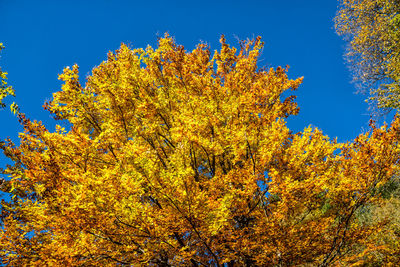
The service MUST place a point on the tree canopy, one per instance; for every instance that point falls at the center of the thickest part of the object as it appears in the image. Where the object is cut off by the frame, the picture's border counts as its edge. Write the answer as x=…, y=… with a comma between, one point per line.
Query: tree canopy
x=171, y=157
x=372, y=28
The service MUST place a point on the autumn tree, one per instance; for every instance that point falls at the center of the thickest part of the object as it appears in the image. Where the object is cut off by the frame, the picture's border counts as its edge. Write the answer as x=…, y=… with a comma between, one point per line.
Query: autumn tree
x=171, y=157
x=372, y=28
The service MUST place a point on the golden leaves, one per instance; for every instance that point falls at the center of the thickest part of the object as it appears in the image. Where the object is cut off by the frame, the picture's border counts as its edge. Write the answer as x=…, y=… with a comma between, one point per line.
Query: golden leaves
x=177, y=157
x=5, y=89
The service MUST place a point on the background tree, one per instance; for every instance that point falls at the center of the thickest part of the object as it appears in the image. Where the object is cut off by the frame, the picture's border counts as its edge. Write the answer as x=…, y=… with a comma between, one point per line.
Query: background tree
x=184, y=158
x=372, y=28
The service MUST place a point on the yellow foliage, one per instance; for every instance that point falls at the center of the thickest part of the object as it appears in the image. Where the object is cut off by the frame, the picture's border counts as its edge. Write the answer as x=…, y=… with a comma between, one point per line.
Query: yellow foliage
x=372, y=28
x=184, y=158
x=5, y=89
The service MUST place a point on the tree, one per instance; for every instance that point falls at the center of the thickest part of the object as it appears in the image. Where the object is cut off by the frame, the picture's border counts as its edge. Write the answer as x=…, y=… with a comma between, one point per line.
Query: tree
x=183, y=158
x=373, y=29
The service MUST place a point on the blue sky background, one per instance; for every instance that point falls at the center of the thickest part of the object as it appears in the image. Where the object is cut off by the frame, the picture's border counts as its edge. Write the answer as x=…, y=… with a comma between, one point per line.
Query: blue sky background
x=43, y=37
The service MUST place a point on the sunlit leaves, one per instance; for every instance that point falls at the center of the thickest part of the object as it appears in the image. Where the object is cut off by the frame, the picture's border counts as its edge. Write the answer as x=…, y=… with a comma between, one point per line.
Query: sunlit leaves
x=184, y=158
x=5, y=89
x=372, y=29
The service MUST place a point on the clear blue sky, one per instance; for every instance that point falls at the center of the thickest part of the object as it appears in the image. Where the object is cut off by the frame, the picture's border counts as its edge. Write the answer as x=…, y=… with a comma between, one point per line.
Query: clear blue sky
x=43, y=37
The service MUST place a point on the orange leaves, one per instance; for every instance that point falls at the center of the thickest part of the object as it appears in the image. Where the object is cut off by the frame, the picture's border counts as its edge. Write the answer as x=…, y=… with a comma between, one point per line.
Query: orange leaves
x=178, y=158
